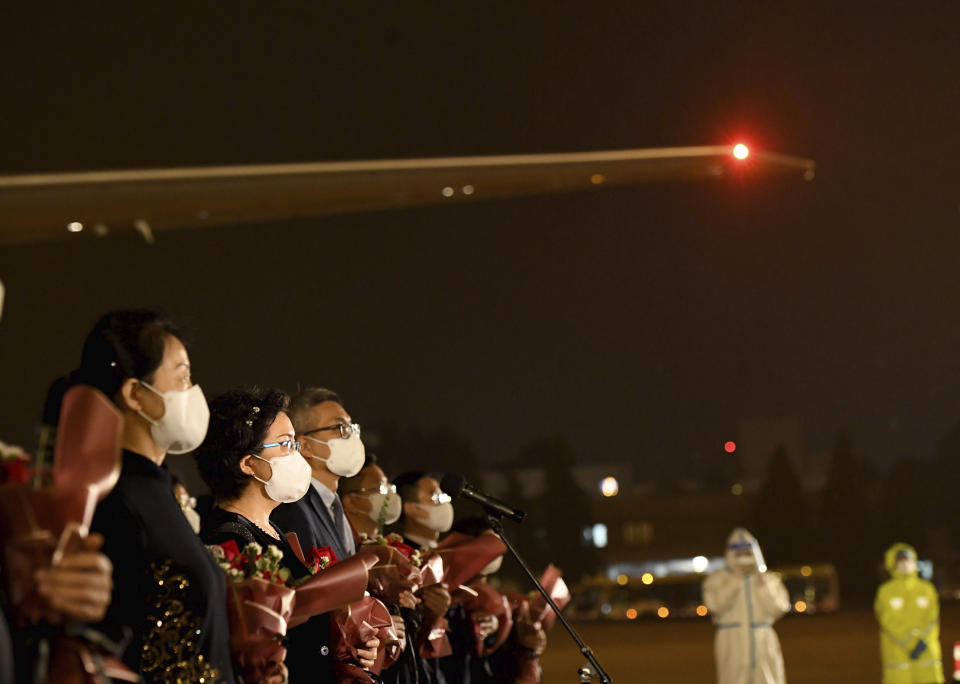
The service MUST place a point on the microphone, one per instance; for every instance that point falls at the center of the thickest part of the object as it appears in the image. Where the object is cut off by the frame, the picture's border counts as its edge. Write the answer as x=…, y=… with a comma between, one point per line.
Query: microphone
x=456, y=485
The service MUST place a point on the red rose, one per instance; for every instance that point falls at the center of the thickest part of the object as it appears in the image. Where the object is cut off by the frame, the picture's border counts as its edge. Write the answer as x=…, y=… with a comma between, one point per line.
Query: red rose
x=15, y=470
x=405, y=549
x=320, y=558
x=230, y=550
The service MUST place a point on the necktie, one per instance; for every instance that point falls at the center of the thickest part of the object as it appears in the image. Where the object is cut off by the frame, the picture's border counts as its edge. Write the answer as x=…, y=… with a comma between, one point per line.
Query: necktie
x=340, y=522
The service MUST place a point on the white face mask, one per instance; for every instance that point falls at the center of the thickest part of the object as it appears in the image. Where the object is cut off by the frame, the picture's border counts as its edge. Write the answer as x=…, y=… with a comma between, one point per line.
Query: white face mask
x=346, y=455
x=907, y=566
x=493, y=566
x=184, y=422
x=439, y=516
x=392, y=511
x=289, y=478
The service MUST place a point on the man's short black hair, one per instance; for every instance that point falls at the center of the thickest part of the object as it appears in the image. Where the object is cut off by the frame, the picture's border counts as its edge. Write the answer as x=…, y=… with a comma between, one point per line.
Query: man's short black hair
x=407, y=484
x=407, y=488
x=239, y=421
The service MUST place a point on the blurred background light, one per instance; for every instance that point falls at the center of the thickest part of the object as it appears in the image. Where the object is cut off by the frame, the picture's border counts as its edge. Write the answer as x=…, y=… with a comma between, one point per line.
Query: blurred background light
x=600, y=535
x=609, y=486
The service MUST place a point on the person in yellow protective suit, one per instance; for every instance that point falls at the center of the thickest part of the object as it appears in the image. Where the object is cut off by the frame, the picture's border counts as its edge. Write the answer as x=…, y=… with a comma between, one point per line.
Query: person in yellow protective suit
x=908, y=611
x=745, y=600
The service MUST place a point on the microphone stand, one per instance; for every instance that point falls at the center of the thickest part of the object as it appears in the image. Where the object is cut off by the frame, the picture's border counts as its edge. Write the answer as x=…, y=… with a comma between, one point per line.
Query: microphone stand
x=496, y=524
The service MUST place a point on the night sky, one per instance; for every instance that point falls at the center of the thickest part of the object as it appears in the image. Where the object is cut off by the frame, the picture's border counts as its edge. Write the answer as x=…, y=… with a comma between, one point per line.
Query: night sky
x=639, y=324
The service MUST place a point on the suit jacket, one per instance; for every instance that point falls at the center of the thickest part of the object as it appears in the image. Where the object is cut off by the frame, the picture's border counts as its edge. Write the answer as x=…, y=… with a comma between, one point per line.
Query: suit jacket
x=312, y=522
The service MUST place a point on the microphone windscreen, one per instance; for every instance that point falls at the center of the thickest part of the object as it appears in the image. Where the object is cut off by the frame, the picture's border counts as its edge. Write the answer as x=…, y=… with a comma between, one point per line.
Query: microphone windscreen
x=452, y=484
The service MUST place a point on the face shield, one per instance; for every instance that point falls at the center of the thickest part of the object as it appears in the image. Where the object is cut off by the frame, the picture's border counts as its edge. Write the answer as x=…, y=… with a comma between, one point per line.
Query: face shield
x=906, y=562
x=743, y=552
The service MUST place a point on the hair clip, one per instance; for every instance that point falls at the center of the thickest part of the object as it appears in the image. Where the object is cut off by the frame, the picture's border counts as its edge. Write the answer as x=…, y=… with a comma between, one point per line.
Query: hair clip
x=113, y=364
x=254, y=411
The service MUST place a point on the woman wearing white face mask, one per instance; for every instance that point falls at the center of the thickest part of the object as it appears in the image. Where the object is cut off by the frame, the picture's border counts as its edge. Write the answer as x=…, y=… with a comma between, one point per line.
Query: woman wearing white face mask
x=252, y=463
x=160, y=566
x=370, y=503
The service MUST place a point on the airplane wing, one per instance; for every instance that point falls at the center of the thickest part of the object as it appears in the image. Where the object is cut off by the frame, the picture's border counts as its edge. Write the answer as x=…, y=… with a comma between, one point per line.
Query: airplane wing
x=41, y=207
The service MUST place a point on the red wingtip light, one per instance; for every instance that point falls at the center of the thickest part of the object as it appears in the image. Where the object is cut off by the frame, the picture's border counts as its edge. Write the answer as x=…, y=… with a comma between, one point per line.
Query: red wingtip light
x=741, y=151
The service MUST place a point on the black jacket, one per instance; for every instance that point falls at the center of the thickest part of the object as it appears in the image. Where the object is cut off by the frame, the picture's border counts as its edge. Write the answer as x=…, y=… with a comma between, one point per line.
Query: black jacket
x=312, y=522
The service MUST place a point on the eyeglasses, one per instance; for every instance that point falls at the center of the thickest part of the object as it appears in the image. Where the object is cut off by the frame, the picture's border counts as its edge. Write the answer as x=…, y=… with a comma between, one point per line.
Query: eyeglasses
x=288, y=445
x=382, y=489
x=440, y=498
x=347, y=430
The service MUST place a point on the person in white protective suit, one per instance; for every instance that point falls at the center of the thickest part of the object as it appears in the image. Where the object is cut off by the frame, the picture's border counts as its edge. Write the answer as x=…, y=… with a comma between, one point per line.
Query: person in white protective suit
x=745, y=600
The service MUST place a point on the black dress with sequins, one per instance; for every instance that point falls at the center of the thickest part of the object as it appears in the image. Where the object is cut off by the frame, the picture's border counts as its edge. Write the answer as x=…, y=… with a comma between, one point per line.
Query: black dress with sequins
x=169, y=596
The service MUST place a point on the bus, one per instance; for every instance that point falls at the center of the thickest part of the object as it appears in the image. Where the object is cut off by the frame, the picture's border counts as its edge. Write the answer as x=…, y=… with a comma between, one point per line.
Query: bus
x=812, y=589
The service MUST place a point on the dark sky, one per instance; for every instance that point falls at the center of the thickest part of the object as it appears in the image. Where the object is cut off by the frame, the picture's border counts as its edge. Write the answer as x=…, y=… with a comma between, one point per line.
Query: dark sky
x=639, y=323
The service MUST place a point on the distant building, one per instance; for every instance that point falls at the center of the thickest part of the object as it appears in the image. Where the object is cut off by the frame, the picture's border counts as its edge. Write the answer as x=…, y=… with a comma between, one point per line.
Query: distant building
x=638, y=524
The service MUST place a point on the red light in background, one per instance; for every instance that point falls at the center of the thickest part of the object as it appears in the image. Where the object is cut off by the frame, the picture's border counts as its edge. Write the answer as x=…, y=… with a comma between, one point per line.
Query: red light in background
x=741, y=151
x=729, y=447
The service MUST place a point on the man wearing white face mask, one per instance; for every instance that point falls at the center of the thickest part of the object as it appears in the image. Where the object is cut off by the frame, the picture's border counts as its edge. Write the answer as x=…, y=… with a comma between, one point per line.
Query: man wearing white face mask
x=427, y=511
x=369, y=500
x=371, y=503
x=332, y=448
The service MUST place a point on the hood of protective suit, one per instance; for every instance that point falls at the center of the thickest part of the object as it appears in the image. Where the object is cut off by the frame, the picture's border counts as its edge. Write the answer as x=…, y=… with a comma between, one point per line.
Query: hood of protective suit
x=740, y=539
x=890, y=559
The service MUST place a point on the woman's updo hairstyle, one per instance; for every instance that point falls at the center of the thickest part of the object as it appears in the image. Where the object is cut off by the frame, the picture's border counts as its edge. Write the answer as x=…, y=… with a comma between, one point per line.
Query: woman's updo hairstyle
x=124, y=344
x=239, y=422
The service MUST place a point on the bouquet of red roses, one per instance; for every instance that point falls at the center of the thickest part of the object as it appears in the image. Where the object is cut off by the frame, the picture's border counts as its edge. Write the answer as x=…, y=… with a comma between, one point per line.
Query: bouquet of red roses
x=45, y=513
x=490, y=601
x=531, y=640
x=339, y=586
x=333, y=585
x=397, y=569
x=264, y=601
x=14, y=464
x=464, y=556
x=355, y=625
x=556, y=588
x=259, y=605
